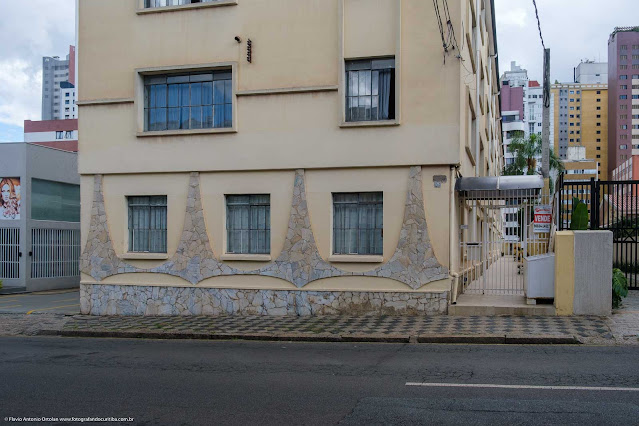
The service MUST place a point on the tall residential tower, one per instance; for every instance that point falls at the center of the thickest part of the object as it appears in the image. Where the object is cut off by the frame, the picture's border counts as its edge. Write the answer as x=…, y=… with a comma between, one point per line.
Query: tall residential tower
x=623, y=102
x=58, y=86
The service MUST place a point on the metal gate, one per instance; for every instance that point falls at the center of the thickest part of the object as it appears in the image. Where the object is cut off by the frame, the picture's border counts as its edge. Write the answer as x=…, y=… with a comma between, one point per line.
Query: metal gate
x=497, y=233
x=10, y=253
x=613, y=206
x=55, y=253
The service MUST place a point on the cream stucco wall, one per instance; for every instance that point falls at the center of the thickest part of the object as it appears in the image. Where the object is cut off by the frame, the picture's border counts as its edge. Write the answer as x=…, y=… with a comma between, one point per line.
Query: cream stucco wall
x=321, y=184
x=214, y=187
x=296, y=44
x=289, y=107
x=118, y=187
x=370, y=28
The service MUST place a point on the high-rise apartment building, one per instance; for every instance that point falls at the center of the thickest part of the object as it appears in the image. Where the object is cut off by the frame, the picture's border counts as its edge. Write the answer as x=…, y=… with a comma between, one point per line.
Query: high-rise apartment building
x=623, y=102
x=521, y=101
x=299, y=158
x=58, y=79
x=590, y=72
x=580, y=119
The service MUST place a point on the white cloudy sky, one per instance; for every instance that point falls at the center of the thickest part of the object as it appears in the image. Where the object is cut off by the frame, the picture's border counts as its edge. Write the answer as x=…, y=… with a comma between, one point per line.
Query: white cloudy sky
x=573, y=30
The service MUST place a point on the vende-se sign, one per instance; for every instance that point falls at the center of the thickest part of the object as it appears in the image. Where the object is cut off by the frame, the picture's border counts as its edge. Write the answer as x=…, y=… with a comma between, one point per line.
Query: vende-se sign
x=543, y=219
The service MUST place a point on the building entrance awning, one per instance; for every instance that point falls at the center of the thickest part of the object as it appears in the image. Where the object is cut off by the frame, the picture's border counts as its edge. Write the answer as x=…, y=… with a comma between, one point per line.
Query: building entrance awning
x=499, y=187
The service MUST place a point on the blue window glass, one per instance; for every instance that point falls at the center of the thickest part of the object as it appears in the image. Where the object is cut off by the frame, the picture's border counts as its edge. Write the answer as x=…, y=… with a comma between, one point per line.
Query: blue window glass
x=188, y=101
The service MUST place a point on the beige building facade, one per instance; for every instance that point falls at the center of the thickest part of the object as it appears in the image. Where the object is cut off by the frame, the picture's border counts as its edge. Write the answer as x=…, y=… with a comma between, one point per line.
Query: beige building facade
x=290, y=157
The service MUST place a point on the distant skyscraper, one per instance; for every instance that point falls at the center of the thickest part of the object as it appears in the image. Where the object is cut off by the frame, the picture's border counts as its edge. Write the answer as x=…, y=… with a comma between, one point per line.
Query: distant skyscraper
x=56, y=71
x=623, y=103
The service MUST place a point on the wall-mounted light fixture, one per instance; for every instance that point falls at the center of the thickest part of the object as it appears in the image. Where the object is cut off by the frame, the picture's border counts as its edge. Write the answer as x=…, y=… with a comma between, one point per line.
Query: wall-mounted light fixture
x=238, y=39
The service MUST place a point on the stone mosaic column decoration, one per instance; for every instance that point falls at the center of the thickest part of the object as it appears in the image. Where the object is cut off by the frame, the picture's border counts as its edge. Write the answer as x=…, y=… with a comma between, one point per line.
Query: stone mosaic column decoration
x=194, y=259
x=99, y=258
x=413, y=263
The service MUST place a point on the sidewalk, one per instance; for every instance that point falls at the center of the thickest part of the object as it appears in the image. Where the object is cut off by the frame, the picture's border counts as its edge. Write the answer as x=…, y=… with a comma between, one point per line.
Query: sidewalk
x=441, y=329
x=622, y=328
x=624, y=322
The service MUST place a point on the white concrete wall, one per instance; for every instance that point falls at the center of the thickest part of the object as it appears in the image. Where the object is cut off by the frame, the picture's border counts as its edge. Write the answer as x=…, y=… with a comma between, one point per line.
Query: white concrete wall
x=593, y=273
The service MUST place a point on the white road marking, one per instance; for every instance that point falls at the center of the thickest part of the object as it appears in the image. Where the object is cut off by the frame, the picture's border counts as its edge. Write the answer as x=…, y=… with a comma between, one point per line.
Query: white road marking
x=489, y=385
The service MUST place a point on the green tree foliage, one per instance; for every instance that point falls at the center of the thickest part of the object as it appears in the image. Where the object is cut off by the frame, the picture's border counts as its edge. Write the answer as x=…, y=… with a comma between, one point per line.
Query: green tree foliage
x=526, y=151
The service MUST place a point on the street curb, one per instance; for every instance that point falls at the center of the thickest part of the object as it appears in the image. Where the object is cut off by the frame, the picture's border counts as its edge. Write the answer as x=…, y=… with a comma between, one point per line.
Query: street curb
x=345, y=338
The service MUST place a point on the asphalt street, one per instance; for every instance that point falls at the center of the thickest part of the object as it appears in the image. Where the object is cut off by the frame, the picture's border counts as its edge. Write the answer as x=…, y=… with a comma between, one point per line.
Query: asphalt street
x=231, y=382
x=51, y=302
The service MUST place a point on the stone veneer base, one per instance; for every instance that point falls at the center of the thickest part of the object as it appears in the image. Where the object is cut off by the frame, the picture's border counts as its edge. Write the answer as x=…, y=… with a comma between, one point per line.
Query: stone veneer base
x=106, y=299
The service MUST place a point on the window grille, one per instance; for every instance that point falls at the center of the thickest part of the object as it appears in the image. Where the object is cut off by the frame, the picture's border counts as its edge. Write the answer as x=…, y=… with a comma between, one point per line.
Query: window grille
x=10, y=253
x=248, y=224
x=358, y=223
x=56, y=253
x=147, y=224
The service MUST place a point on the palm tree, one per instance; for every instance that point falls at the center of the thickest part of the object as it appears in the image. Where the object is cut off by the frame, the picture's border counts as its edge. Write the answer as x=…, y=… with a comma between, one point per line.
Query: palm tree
x=526, y=153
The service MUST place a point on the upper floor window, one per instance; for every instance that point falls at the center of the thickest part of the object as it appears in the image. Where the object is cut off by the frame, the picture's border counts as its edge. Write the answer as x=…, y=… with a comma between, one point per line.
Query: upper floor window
x=370, y=90
x=147, y=224
x=68, y=134
x=58, y=135
x=358, y=223
x=201, y=100
x=164, y=3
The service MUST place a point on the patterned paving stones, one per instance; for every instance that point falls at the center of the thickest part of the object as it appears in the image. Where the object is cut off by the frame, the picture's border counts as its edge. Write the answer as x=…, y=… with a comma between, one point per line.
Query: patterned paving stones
x=582, y=329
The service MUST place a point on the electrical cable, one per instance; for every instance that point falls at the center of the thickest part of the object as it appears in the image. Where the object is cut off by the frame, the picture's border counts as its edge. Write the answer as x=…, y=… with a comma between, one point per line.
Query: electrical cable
x=449, y=40
x=539, y=24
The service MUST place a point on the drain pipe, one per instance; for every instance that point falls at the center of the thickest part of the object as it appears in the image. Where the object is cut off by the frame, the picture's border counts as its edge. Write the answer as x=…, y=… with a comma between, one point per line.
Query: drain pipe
x=451, y=236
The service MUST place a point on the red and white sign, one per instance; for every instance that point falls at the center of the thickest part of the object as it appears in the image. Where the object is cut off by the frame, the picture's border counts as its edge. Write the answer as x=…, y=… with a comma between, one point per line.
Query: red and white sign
x=543, y=219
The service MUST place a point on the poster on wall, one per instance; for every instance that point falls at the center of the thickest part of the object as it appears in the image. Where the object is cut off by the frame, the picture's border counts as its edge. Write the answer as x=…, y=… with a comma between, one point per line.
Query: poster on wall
x=10, y=198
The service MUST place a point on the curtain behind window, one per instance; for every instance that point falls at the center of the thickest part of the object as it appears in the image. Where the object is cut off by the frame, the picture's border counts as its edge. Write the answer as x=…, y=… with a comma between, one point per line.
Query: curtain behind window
x=147, y=224
x=384, y=94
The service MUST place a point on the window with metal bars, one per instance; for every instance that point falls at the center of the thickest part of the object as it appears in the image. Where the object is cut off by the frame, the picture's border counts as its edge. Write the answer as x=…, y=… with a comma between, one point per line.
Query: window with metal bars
x=201, y=100
x=147, y=224
x=248, y=224
x=358, y=223
x=370, y=90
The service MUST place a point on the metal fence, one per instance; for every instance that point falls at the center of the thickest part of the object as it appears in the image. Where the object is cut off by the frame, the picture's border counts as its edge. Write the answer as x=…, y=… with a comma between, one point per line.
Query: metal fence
x=10, y=253
x=55, y=253
x=613, y=206
x=497, y=234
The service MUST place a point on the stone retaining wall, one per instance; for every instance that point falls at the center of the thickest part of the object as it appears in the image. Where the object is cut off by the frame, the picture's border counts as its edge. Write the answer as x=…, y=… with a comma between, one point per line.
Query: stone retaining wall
x=103, y=299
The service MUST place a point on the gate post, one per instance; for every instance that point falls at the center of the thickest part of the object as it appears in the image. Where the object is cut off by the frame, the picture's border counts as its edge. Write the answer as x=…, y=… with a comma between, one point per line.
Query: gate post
x=594, y=204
